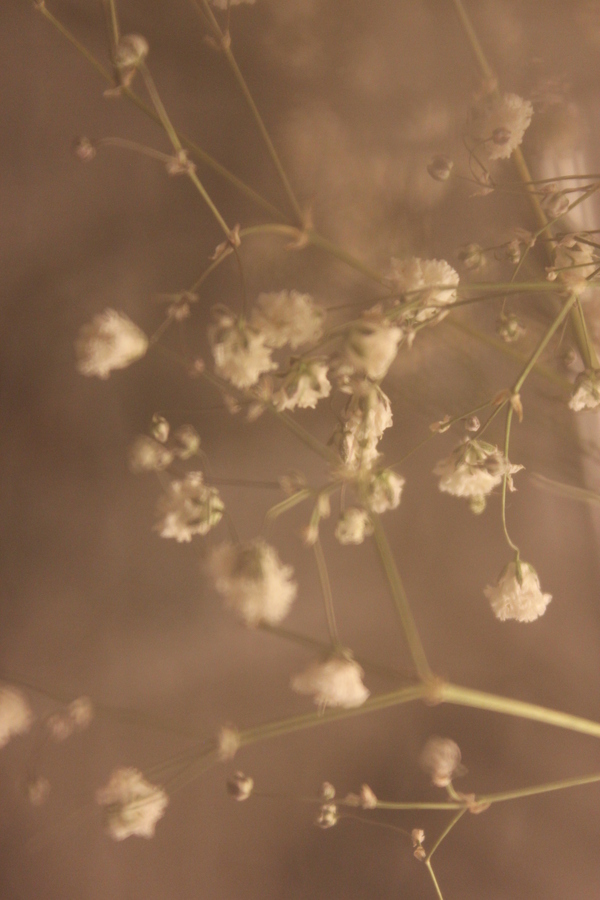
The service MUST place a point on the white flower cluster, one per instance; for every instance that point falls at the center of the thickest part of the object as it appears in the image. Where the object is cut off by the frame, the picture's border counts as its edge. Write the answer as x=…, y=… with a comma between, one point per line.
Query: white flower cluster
x=15, y=715
x=131, y=804
x=253, y=581
x=574, y=263
x=586, y=392
x=440, y=759
x=110, y=341
x=336, y=682
x=288, y=317
x=518, y=594
x=240, y=351
x=371, y=346
x=383, y=490
x=148, y=455
x=497, y=125
x=189, y=507
x=435, y=281
x=473, y=470
x=367, y=415
x=77, y=716
x=353, y=526
x=305, y=384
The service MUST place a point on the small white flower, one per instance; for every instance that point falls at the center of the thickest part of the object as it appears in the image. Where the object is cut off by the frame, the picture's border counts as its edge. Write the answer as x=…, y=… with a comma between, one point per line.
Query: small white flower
x=336, y=682
x=81, y=711
x=586, y=392
x=353, y=526
x=147, y=455
x=371, y=346
x=189, y=507
x=304, y=386
x=253, y=581
x=518, y=594
x=288, y=317
x=131, y=50
x=367, y=415
x=368, y=800
x=240, y=353
x=473, y=470
x=328, y=816
x=240, y=787
x=497, y=125
x=15, y=715
x=186, y=442
x=434, y=279
x=132, y=805
x=440, y=758
x=228, y=742
x=574, y=263
x=110, y=341
x=383, y=491
x=60, y=725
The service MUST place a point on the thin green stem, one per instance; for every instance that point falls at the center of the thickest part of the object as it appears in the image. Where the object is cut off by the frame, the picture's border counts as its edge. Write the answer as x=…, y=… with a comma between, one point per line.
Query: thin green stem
x=113, y=18
x=401, y=601
x=510, y=543
x=434, y=879
x=538, y=789
x=456, y=818
x=279, y=508
x=327, y=595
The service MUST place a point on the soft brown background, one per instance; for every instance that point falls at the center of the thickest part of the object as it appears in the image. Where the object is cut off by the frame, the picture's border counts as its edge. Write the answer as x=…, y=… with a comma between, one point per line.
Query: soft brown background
x=357, y=95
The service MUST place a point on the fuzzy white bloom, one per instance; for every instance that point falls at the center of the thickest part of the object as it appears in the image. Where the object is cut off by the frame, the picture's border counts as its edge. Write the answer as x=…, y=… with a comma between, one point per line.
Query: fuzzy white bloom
x=586, y=392
x=189, y=507
x=110, y=341
x=440, y=758
x=304, y=386
x=240, y=787
x=253, y=581
x=473, y=470
x=336, y=682
x=383, y=491
x=353, y=526
x=434, y=279
x=288, y=317
x=518, y=594
x=81, y=711
x=15, y=715
x=328, y=815
x=497, y=125
x=131, y=50
x=148, y=455
x=371, y=346
x=366, y=417
x=228, y=742
x=131, y=804
x=574, y=262
x=240, y=353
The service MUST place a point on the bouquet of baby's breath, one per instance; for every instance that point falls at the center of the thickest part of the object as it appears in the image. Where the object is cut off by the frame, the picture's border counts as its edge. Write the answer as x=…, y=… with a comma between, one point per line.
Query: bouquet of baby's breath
x=277, y=355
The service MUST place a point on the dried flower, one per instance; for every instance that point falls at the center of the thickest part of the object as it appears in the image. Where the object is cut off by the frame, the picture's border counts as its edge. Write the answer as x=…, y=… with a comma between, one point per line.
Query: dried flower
x=417, y=837
x=586, y=391
x=131, y=804
x=383, y=490
x=518, y=595
x=440, y=758
x=288, y=317
x=431, y=282
x=131, y=50
x=371, y=346
x=328, y=816
x=15, y=715
x=336, y=682
x=240, y=786
x=189, y=507
x=228, y=742
x=327, y=791
x=440, y=168
x=472, y=256
x=555, y=203
x=305, y=384
x=497, y=125
x=473, y=470
x=353, y=526
x=367, y=415
x=253, y=581
x=509, y=328
x=147, y=455
x=574, y=263
x=368, y=800
x=84, y=150
x=110, y=341
x=240, y=353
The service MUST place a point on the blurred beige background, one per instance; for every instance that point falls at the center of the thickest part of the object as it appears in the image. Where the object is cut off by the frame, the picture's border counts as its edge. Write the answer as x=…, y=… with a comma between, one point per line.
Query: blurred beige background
x=358, y=96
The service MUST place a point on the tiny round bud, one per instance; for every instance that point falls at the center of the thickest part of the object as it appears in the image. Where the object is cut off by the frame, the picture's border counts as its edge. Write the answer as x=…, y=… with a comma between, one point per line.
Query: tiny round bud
x=186, y=442
x=132, y=50
x=419, y=853
x=81, y=712
x=440, y=168
x=83, y=149
x=240, y=786
x=473, y=424
x=440, y=758
x=328, y=816
x=418, y=836
x=368, y=800
x=228, y=743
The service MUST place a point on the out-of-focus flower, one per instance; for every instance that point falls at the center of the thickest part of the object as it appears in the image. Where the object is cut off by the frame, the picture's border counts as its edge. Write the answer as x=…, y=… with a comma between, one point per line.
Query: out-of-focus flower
x=336, y=682
x=428, y=283
x=240, y=787
x=131, y=804
x=189, y=507
x=15, y=715
x=304, y=385
x=288, y=317
x=586, y=391
x=518, y=594
x=497, y=125
x=383, y=490
x=328, y=815
x=440, y=168
x=371, y=346
x=574, y=263
x=367, y=415
x=240, y=352
x=440, y=759
x=473, y=470
x=509, y=328
x=228, y=742
x=353, y=526
x=110, y=341
x=147, y=455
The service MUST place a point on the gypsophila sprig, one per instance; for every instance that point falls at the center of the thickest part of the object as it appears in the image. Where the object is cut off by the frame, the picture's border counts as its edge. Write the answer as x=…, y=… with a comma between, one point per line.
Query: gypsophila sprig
x=110, y=341
x=148, y=455
x=497, y=124
x=335, y=682
x=132, y=806
x=586, y=392
x=440, y=759
x=240, y=351
x=473, y=470
x=288, y=317
x=371, y=346
x=435, y=281
x=574, y=263
x=253, y=581
x=305, y=384
x=353, y=526
x=188, y=507
x=15, y=714
x=518, y=594
x=383, y=490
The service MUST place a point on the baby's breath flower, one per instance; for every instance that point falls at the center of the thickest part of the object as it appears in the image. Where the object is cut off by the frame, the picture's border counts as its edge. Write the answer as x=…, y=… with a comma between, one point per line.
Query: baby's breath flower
x=497, y=125
x=186, y=442
x=15, y=715
x=147, y=455
x=81, y=712
x=288, y=317
x=574, y=263
x=383, y=491
x=371, y=346
x=110, y=341
x=336, y=682
x=131, y=804
x=304, y=385
x=240, y=787
x=367, y=415
x=518, y=595
x=509, y=328
x=240, y=353
x=353, y=526
x=435, y=281
x=60, y=726
x=253, y=581
x=160, y=428
x=328, y=816
x=189, y=507
x=586, y=391
x=327, y=791
x=555, y=204
x=440, y=168
x=472, y=256
x=473, y=470
x=440, y=758
x=228, y=742
x=131, y=50
x=368, y=800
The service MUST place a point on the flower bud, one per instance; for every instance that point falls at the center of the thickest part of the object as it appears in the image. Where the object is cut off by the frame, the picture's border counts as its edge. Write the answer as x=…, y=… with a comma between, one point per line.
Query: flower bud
x=440, y=168
x=240, y=786
x=328, y=816
x=131, y=51
x=84, y=150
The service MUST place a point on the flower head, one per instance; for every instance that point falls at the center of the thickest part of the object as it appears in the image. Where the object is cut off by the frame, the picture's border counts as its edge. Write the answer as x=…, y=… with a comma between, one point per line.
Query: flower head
x=240, y=352
x=110, y=341
x=304, y=385
x=253, y=581
x=367, y=415
x=518, y=594
x=497, y=125
x=473, y=470
x=288, y=317
x=15, y=715
x=435, y=281
x=586, y=392
x=336, y=682
x=371, y=346
x=574, y=263
x=440, y=758
x=353, y=526
x=148, y=455
x=383, y=490
x=189, y=507
x=131, y=804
